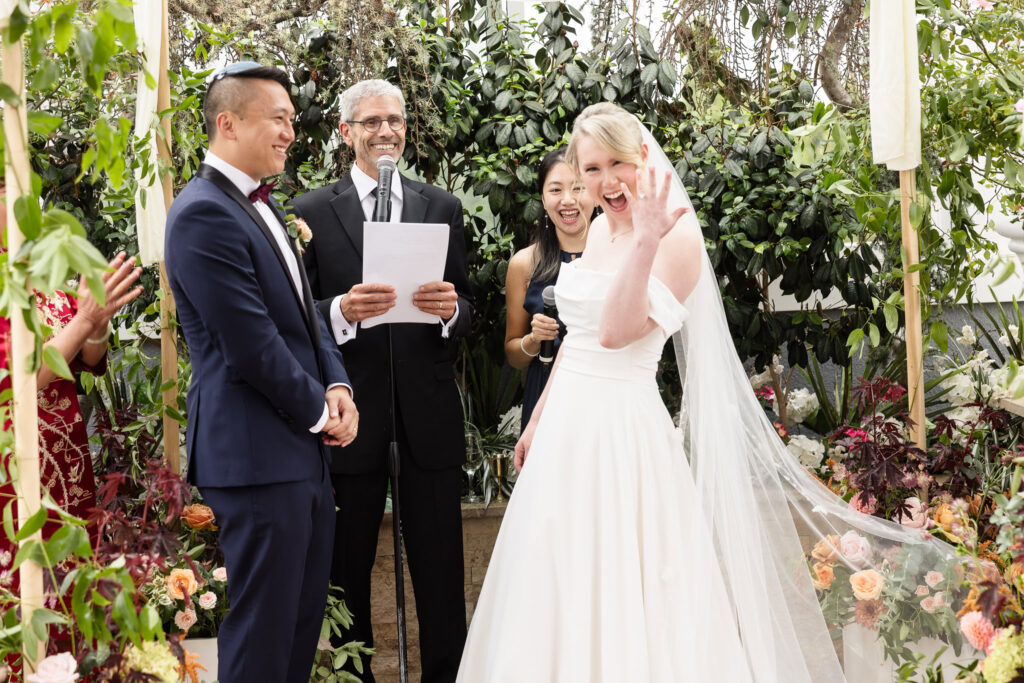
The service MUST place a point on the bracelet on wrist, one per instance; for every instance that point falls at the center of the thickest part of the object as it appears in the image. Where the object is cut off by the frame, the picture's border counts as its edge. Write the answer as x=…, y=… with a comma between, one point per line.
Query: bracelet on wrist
x=104, y=338
x=522, y=345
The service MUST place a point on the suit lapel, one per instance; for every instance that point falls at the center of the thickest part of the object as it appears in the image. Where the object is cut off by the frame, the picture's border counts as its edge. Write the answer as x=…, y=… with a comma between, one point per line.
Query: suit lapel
x=349, y=210
x=414, y=204
x=227, y=187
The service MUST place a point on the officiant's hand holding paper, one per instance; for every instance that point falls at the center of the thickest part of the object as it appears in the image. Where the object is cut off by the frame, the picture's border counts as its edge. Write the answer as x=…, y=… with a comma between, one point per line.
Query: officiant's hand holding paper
x=437, y=298
x=367, y=300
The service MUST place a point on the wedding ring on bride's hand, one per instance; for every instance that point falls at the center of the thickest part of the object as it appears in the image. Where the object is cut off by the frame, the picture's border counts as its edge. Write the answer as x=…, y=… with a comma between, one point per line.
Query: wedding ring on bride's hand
x=439, y=304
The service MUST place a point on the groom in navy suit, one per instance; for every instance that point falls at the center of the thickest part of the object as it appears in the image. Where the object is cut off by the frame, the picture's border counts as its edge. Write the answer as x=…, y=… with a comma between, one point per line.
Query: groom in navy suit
x=269, y=389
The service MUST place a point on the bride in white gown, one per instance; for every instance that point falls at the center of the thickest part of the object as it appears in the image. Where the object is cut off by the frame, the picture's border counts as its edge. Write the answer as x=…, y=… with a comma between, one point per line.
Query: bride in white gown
x=615, y=562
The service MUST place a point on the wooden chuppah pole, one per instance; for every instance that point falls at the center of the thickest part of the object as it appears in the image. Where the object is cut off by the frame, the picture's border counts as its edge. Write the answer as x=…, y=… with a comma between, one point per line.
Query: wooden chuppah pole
x=23, y=380
x=168, y=338
x=912, y=308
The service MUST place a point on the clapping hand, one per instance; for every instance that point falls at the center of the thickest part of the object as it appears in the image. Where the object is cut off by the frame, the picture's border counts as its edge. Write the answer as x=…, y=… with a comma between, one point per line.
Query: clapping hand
x=343, y=417
x=118, y=285
x=651, y=216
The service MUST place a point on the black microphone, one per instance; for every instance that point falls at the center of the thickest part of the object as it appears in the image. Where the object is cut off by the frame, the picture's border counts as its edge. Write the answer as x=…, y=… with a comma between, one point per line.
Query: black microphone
x=547, y=347
x=386, y=167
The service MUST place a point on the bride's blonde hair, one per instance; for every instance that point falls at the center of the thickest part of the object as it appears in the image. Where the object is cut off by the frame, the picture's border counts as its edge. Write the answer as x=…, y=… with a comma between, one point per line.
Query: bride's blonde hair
x=614, y=128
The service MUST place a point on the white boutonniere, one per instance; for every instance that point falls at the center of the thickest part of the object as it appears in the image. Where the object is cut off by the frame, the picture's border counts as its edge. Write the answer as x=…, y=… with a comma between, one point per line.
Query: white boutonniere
x=299, y=231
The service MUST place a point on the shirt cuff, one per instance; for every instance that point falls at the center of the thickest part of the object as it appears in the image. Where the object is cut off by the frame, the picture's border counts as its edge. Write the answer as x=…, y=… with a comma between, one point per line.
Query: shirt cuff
x=319, y=426
x=343, y=330
x=447, y=326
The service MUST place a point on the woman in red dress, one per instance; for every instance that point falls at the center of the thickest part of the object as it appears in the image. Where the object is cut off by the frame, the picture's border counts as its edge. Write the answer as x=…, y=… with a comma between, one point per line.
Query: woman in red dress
x=80, y=328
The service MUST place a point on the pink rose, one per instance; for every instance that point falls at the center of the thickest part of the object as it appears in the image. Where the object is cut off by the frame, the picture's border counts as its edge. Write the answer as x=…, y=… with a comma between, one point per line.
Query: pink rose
x=305, y=234
x=208, y=600
x=982, y=4
x=220, y=574
x=862, y=503
x=978, y=630
x=185, y=619
x=933, y=578
x=61, y=668
x=928, y=604
x=1020, y=105
x=918, y=515
x=856, y=549
x=922, y=590
x=939, y=600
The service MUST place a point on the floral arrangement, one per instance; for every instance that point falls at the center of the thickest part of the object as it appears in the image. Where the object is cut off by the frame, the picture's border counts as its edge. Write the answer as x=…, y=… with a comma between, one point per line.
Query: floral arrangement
x=892, y=590
x=191, y=600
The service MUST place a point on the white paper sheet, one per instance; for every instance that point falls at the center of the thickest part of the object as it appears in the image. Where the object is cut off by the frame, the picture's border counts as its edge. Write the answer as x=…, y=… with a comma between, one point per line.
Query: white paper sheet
x=405, y=256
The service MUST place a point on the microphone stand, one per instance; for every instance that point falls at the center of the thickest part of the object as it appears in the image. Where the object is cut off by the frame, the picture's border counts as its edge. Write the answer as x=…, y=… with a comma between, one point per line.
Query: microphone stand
x=380, y=213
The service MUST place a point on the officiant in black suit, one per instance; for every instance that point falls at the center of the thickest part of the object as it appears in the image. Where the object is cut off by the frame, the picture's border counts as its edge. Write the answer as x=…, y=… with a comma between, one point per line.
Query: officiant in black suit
x=429, y=414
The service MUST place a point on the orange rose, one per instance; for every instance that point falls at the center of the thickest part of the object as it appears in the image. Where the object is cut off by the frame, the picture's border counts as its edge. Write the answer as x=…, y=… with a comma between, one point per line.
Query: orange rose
x=943, y=517
x=198, y=517
x=823, y=576
x=827, y=549
x=181, y=584
x=867, y=584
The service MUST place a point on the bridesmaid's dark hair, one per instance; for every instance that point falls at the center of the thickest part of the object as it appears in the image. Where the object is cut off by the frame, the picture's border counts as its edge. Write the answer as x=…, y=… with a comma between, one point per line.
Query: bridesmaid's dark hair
x=547, y=257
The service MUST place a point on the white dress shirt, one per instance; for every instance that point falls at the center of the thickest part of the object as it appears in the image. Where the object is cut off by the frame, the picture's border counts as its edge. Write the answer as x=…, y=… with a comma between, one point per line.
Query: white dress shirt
x=366, y=188
x=246, y=185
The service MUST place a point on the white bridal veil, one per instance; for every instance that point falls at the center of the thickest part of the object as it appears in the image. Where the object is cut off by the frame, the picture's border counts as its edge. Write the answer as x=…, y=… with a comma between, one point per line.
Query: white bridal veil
x=774, y=523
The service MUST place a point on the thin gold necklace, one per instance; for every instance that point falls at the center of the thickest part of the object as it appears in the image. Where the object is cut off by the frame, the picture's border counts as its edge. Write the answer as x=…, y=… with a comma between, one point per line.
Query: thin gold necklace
x=620, y=234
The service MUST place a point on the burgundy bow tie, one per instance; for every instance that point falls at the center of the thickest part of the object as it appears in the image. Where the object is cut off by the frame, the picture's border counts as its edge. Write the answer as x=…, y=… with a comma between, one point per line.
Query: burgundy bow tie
x=262, y=193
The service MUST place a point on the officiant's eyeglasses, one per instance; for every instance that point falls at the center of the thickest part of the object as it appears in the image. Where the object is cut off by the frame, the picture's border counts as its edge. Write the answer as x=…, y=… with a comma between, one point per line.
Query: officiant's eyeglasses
x=372, y=124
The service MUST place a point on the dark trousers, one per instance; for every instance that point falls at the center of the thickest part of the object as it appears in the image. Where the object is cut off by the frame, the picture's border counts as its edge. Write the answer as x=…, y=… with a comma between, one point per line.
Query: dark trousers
x=276, y=541
x=432, y=531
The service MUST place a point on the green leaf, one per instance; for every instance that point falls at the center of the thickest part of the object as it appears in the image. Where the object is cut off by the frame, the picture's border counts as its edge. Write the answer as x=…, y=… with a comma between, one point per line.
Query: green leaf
x=940, y=333
x=126, y=617
x=31, y=525
x=855, y=339
x=874, y=334
x=41, y=123
x=503, y=99
x=55, y=361
x=28, y=216
x=649, y=74
x=63, y=31
x=892, y=318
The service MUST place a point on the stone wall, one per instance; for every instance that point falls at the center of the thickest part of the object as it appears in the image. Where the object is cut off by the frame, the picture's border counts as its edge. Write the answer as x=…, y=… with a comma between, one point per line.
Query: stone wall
x=479, y=529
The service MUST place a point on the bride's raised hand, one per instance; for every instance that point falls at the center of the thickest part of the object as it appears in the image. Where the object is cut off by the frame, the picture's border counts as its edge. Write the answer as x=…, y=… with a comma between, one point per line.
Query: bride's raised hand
x=651, y=214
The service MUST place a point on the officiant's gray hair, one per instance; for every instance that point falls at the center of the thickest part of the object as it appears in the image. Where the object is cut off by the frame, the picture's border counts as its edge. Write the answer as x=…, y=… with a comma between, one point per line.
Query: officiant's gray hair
x=374, y=87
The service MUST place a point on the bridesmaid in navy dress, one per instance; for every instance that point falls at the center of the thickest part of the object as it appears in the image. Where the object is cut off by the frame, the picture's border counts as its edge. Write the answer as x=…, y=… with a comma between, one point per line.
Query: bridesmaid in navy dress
x=560, y=238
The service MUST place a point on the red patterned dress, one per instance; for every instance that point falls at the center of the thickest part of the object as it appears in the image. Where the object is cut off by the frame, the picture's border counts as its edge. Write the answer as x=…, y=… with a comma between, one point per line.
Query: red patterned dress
x=66, y=465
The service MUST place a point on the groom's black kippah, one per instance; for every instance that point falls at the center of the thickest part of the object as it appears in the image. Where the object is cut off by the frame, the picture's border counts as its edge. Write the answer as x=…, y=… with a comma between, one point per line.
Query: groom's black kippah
x=248, y=70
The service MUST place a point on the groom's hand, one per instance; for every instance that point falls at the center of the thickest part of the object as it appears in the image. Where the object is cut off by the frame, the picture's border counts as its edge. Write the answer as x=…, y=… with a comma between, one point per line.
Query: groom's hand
x=343, y=418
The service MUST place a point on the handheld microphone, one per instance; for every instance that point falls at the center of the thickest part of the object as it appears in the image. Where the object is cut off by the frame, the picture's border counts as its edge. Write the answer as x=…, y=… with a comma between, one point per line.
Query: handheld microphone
x=386, y=168
x=547, y=347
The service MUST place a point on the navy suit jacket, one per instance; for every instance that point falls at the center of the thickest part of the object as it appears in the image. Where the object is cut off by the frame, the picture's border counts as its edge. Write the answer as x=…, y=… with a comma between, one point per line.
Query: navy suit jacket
x=261, y=358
